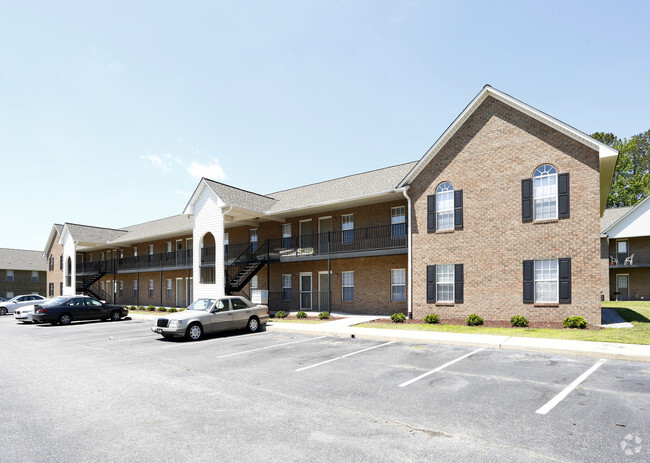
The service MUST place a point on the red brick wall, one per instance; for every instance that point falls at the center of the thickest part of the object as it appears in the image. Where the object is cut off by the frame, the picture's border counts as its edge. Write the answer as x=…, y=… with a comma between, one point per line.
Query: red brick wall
x=487, y=158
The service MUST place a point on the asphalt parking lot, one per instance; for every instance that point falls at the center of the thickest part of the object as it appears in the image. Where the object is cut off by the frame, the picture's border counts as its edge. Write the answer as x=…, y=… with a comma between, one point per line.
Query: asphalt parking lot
x=115, y=391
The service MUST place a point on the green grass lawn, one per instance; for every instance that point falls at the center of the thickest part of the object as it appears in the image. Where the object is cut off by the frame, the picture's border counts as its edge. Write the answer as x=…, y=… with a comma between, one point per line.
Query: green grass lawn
x=635, y=312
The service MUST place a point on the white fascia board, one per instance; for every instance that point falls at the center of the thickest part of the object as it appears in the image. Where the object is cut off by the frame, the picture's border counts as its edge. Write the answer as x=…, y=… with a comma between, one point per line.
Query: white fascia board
x=618, y=228
x=335, y=202
x=189, y=208
x=50, y=240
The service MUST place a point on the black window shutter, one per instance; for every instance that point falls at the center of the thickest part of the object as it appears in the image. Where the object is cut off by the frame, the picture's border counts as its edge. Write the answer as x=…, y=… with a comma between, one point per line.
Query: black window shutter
x=527, y=200
x=529, y=281
x=565, y=280
x=431, y=284
x=563, y=195
x=431, y=213
x=458, y=283
x=458, y=208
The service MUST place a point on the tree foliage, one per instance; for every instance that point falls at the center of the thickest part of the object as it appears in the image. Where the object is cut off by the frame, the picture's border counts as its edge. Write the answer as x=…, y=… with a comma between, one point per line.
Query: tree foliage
x=631, y=182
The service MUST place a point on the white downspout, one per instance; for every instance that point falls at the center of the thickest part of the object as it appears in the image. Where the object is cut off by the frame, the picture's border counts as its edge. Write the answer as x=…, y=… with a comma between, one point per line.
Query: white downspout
x=409, y=292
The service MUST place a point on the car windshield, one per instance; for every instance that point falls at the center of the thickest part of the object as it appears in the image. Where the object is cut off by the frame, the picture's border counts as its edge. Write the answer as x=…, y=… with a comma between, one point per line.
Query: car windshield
x=201, y=304
x=13, y=299
x=55, y=301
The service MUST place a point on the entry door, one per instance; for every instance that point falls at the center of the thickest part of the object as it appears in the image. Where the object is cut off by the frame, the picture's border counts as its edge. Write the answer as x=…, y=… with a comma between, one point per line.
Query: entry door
x=621, y=251
x=305, y=291
x=324, y=226
x=622, y=287
x=180, y=293
x=323, y=291
x=305, y=234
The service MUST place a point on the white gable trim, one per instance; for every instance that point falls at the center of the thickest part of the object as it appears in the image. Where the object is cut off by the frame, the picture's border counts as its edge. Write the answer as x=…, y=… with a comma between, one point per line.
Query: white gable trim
x=189, y=208
x=633, y=224
x=607, y=154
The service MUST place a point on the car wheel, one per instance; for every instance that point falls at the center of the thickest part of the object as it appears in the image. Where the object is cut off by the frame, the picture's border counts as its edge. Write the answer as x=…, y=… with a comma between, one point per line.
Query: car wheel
x=194, y=332
x=65, y=319
x=253, y=324
x=3, y=311
x=115, y=315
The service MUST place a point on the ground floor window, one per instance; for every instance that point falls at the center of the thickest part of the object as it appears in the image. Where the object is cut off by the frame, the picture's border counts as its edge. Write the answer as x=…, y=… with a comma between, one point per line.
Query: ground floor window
x=398, y=285
x=121, y=289
x=150, y=288
x=546, y=284
x=51, y=289
x=135, y=288
x=61, y=289
x=445, y=283
x=169, y=289
x=547, y=281
x=286, y=287
x=348, y=286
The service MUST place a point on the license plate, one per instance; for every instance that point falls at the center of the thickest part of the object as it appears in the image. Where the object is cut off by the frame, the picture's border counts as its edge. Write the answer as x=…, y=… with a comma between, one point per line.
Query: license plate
x=158, y=330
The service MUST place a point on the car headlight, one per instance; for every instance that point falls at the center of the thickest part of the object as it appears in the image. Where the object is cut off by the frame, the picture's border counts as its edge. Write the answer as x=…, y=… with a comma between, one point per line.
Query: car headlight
x=175, y=324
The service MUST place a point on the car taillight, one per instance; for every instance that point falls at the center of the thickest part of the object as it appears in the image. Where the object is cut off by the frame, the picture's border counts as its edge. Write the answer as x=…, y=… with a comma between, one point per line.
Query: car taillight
x=41, y=310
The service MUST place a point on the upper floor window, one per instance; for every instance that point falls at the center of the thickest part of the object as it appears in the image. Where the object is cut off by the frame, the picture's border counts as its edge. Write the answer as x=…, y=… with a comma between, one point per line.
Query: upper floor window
x=61, y=262
x=253, y=239
x=51, y=262
x=34, y=277
x=445, y=206
x=10, y=276
x=347, y=227
x=546, y=195
x=398, y=222
x=286, y=235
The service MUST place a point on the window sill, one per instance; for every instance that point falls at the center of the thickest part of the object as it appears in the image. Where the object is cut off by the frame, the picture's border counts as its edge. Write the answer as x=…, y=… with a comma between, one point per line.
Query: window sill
x=546, y=304
x=444, y=304
x=545, y=221
x=440, y=232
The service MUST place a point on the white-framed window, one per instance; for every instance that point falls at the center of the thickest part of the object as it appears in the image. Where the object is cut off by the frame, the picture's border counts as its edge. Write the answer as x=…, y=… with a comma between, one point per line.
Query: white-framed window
x=169, y=250
x=10, y=276
x=348, y=285
x=253, y=239
x=226, y=245
x=398, y=284
x=286, y=235
x=151, y=253
x=398, y=222
x=90, y=258
x=9, y=295
x=34, y=277
x=51, y=266
x=135, y=252
x=445, y=283
x=445, y=206
x=135, y=288
x=169, y=289
x=286, y=287
x=347, y=228
x=121, y=288
x=150, y=288
x=51, y=289
x=546, y=281
x=254, y=282
x=545, y=192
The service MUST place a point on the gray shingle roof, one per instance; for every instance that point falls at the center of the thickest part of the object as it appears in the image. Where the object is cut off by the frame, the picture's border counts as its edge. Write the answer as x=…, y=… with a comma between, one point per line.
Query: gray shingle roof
x=610, y=216
x=241, y=198
x=89, y=234
x=21, y=259
x=176, y=224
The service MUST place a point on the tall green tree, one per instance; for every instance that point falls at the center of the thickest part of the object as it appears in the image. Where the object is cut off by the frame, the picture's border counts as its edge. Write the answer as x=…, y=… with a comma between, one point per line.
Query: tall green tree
x=631, y=182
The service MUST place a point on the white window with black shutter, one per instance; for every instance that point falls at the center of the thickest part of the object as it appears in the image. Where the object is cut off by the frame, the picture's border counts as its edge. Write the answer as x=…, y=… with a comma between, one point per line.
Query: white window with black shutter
x=547, y=281
x=445, y=283
x=546, y=195
x=445, y=209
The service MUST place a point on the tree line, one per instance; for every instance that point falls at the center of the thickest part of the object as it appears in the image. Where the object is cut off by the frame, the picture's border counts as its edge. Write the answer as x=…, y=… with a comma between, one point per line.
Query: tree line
x=631, y=182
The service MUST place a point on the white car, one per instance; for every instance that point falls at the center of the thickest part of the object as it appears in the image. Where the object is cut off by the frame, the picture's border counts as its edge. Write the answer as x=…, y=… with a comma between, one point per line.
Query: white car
x=24, y=314
x=19, y=301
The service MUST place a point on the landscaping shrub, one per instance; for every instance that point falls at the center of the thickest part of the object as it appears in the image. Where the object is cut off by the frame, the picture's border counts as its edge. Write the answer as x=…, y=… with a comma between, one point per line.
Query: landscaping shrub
x=574, y=322
x=132, y=307
x=398, y=317
x=151, y=308
x=324, y=315
x=141, y=307
x=301, y=314
x=474, y=320
x=519, y=320
x=280, y=314
x=172, y=310
x=162, y=309
x=432, y=318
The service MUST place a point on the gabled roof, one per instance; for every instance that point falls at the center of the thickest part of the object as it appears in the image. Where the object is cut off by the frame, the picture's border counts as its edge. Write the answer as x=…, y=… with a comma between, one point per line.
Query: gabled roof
x=22, y=259
x=628, y=222
x=608, y=155
x=55, y=233
x=89, y=234
x=613, y=215
x=242, y=199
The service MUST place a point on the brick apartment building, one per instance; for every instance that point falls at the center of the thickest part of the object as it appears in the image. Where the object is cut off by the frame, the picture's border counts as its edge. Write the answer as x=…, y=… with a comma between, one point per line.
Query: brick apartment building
x=21, y=272
x=500, y=216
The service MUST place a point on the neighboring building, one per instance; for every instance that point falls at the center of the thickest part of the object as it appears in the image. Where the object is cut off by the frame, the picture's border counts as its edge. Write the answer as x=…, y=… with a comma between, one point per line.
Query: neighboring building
x=21, y=272
x=626, y=252
x=54, y=255
x=501, y=216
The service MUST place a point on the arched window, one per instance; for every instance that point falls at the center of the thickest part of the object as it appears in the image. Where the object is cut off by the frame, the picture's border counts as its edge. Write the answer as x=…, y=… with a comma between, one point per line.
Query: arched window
x=207, y=259
x=545, y=192
x=445, y=206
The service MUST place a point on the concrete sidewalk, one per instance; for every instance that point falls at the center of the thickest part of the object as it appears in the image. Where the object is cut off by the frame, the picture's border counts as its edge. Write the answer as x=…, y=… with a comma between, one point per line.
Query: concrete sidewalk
x=346, y=328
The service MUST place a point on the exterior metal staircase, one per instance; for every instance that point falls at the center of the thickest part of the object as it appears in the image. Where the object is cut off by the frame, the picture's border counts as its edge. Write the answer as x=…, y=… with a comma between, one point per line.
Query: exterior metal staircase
x=242, y=269
x=89, y=279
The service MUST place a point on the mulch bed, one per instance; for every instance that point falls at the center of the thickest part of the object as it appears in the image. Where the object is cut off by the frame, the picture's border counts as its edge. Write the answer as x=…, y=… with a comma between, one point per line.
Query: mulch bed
x=293, y=317
x=490, y=323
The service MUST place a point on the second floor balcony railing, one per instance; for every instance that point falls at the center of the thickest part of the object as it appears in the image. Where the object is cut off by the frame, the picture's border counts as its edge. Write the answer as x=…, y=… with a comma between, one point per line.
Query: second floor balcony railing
x=634, y=258
x=174, y=259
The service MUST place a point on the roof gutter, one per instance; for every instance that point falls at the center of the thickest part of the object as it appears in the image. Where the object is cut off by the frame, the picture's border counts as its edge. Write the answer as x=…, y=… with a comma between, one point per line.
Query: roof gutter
x=409, y=271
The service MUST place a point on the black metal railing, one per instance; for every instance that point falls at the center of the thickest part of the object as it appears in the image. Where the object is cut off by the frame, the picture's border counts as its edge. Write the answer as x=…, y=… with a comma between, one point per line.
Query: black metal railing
x=630, y=259
x=175, y=259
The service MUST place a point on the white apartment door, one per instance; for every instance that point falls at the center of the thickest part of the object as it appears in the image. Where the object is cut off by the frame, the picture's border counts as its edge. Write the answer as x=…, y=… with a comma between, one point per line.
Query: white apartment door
x=305, y=291
x=324, y=227
x=323, y=291
x=305, y=234
x=622, y=287
x=180, y=293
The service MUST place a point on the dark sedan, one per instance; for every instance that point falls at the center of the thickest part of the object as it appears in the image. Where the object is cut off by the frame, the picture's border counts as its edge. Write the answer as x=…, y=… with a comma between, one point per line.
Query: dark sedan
x=64, y=310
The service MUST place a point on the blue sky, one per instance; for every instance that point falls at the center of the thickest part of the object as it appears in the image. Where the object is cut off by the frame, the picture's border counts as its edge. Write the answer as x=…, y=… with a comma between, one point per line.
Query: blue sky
x=111, y=112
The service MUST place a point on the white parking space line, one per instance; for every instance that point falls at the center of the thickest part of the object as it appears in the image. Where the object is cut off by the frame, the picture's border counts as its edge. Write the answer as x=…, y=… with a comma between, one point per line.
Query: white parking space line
x=344, y=356
x=440, y=368
x=558, y=398
x=269, y=347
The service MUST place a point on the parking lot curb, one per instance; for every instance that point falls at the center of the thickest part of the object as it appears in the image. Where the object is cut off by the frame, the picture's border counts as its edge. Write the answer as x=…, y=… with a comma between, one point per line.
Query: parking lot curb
x=617, y=351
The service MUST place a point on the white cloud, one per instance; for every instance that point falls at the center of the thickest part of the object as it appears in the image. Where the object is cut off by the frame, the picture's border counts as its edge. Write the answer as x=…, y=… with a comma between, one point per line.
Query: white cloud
x=163, y=163
x=213, y=170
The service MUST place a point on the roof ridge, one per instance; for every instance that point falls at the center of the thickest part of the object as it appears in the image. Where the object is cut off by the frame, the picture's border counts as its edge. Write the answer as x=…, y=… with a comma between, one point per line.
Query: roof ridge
x=17, y=249
x=150, y=221
x=94, y=226
x=239, y=189
x=345, y=176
